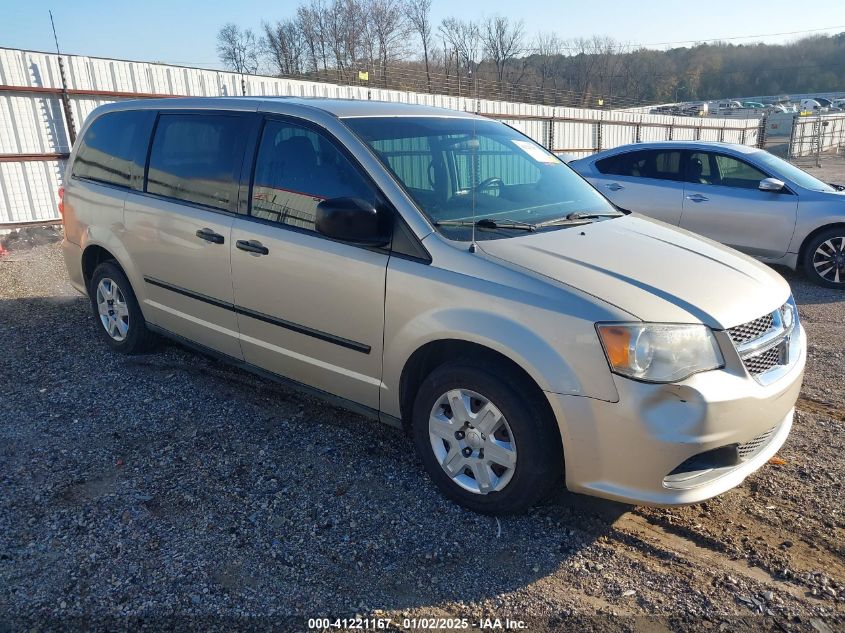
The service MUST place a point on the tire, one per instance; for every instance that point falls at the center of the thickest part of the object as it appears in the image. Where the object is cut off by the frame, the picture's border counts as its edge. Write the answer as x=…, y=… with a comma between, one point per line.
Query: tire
x=824, y=258
x=120, y=323
x=528, y=428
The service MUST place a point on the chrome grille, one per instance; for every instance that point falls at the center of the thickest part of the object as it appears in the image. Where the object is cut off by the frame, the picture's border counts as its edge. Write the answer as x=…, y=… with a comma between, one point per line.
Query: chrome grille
x=752, y=447
x=763, y=362
x=751, y=330
x=763, y=343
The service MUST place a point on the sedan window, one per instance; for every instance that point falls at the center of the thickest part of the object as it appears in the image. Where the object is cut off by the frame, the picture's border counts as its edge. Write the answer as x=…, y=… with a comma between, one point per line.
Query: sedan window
x=659, y=164
x=706, y=168
x=736, y=173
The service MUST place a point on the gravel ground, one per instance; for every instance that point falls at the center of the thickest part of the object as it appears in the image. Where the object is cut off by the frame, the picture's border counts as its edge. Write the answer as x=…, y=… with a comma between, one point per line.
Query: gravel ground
x=171, y=490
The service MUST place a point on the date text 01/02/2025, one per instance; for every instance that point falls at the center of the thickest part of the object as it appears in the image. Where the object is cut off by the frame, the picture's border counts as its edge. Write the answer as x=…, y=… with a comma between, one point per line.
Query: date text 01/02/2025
x=415, y=624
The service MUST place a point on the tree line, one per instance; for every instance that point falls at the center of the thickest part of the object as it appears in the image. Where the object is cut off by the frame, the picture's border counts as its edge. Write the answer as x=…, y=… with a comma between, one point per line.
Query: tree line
x=396, y=44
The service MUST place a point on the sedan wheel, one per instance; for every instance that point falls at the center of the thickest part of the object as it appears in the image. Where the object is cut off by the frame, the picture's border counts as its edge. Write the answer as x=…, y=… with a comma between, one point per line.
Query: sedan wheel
x=829, y=260
x=824, y=258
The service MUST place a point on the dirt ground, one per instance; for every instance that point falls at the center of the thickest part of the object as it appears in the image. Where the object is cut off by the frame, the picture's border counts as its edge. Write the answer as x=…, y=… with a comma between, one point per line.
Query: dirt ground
x=172, y=490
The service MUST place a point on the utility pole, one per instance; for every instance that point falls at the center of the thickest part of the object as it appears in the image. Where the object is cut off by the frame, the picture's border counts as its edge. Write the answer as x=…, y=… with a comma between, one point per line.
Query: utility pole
x=71, y=127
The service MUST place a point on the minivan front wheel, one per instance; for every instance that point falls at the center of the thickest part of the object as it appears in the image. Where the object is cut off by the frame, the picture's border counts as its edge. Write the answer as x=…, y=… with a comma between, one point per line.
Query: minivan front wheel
x=119, y=318
x=485, y=439
x=824, y=260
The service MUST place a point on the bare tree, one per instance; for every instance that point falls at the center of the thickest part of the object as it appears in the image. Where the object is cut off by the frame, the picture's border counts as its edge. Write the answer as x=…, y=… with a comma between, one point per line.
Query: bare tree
x=387, y=23
x=345, y=28
x=311, y=22
x=548, y=50
x=238, y=48
x=419, y=18
x=284, y=44
x=462, y=37
x=502, y=40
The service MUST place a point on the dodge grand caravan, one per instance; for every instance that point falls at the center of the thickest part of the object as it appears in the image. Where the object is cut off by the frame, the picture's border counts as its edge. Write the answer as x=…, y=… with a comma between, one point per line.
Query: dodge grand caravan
x=440, y=272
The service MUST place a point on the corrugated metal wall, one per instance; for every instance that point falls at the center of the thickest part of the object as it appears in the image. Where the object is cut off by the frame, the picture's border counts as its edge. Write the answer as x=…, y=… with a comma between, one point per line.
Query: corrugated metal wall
x=34, y=133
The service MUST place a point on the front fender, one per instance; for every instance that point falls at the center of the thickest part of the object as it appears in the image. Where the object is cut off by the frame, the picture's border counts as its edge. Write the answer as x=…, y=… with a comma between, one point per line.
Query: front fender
x=553, y=341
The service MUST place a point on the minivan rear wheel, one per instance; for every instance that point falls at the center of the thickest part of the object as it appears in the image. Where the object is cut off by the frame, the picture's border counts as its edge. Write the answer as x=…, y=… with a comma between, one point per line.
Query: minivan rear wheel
x=485, y=439
x=116, y=311
x=824, y=258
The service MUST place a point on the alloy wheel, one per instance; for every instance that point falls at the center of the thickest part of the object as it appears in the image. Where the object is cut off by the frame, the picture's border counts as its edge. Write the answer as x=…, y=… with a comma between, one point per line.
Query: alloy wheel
x=829, y=260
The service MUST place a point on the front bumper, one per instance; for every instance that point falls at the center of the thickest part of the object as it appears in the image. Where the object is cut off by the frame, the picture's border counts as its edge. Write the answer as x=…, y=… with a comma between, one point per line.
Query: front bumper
x=631, y=450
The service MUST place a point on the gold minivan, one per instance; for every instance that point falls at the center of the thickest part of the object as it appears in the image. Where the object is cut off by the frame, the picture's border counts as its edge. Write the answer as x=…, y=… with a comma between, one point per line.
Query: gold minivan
x=445, y=274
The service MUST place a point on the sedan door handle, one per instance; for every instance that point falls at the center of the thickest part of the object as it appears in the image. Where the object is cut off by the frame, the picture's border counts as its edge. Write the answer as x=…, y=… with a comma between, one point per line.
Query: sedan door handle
x=210, y=236
x=614, y=186
x=697, y=198
x=252, y=246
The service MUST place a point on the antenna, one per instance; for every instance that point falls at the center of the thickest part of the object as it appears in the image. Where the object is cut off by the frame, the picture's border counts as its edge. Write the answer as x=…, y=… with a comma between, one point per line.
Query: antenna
x=71, y=128
x=473, y=179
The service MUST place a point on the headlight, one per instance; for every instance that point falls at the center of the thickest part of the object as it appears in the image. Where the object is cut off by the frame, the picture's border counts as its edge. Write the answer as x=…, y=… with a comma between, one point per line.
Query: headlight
x=655, y=352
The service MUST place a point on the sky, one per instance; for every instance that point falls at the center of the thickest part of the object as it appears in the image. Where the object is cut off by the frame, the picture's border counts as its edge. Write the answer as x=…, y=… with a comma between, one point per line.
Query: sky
x=185, y=32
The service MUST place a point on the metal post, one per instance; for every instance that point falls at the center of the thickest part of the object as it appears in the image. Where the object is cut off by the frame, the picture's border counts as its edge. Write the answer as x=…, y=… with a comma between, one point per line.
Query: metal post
x=598, y=135
x=791, y=147
x=761, y=133
x=819, y=141
x=71, y=127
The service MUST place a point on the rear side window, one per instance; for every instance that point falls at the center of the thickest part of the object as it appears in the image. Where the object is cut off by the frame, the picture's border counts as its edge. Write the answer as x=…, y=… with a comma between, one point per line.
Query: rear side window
x=659, y=164
x=114, y=149
x=197, y=158
x=297, y=168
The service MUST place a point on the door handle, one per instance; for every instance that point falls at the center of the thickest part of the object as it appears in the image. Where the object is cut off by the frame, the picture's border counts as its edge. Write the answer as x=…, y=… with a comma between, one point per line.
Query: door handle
x=697, y=198
x=210, y=236
x=252, y=246
x=614, y=186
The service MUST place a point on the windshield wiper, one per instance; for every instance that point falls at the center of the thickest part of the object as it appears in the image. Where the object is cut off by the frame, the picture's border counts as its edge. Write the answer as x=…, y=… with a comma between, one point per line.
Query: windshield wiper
x=489, y=223
x=576, y=217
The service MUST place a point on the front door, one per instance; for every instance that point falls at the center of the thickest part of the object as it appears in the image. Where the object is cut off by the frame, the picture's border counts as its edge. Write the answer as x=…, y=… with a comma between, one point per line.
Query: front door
x=722, y=201
x=309, y=308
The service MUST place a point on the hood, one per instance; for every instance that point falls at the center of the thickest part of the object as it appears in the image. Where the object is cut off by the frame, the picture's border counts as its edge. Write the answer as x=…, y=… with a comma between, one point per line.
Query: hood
x=651, y=270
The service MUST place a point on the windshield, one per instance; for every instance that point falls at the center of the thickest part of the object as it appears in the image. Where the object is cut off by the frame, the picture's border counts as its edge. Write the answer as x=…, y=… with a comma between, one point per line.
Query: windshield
x=462, y=171
x=781, y=168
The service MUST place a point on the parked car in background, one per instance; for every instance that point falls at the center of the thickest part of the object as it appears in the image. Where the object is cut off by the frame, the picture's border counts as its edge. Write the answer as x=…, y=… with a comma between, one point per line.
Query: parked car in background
x=741, y=196
x=443, y=273
x=812, y=105
x=752, y=104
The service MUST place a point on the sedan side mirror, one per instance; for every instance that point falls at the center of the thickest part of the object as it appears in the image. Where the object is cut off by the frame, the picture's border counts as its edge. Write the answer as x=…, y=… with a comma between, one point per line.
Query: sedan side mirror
x=771, y=184
x=352, y=220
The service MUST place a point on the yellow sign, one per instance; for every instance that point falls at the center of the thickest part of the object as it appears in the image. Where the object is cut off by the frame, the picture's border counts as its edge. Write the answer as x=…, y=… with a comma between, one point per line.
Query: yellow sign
x=363, y=75
x=601, y=102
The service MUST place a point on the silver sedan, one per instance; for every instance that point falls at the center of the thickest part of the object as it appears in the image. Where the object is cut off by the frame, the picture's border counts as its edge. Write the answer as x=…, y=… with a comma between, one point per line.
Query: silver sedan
x=741, y=196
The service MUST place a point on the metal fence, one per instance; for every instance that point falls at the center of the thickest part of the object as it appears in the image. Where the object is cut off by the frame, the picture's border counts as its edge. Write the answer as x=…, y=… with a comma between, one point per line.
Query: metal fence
x=813, y=135
x=44, y=100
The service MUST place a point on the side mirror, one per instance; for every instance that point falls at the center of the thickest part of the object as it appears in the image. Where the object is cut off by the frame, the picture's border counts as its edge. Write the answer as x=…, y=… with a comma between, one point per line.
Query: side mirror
x=771, y=184
x=352, y=220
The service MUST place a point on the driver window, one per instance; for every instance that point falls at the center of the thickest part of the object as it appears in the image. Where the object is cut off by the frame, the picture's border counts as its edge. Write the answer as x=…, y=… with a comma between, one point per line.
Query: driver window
x=700, y=168
x=296, y=169
x=736, y=173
